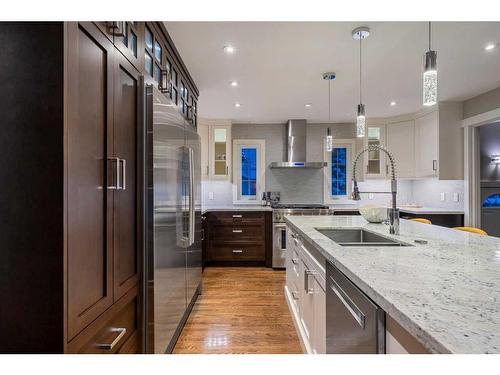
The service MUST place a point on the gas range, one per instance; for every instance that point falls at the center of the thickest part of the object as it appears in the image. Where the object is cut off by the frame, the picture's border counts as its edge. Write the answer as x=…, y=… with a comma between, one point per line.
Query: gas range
x=280, y=210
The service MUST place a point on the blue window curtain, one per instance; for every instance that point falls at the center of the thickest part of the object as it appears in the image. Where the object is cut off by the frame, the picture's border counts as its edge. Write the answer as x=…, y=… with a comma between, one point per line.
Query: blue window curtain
x=339, y=171
x=248, y=171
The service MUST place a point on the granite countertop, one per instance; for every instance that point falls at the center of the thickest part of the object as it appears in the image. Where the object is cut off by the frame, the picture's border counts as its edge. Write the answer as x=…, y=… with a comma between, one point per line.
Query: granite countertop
x=235, y=207
x=445, y=293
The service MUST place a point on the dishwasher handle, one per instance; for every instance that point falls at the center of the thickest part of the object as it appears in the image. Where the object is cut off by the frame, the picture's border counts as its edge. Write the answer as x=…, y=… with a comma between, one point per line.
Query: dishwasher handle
x=348, y=303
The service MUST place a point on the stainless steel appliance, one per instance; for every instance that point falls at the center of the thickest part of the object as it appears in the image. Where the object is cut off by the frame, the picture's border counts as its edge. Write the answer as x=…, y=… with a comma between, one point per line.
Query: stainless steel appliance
x=173, y=222
x=296, y=146
x=279, y=226
x=354, y=323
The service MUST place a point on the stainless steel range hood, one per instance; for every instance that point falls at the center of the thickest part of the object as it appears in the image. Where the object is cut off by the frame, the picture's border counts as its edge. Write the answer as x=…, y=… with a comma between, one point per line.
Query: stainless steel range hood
x=296, y=147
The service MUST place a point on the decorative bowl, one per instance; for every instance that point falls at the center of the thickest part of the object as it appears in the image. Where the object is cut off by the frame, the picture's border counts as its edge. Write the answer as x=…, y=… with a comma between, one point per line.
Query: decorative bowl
x=373, y=213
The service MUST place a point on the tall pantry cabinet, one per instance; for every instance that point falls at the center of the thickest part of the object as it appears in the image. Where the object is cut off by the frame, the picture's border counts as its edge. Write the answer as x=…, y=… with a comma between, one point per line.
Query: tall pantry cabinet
x=70, y=208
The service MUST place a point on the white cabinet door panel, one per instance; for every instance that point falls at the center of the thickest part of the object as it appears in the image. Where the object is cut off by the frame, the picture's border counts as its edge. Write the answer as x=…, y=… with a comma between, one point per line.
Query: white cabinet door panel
x=427, y=140
x=400, y=141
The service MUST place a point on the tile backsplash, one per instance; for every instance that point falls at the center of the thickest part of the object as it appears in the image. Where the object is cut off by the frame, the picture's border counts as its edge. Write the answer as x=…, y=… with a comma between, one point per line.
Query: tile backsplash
x=306, y=187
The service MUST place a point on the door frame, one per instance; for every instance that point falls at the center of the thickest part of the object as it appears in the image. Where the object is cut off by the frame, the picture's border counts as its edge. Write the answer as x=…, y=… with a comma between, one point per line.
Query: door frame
x=472, y=180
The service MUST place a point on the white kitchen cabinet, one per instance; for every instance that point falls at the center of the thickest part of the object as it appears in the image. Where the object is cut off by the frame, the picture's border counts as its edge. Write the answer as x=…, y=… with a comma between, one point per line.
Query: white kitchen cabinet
x=305, y=294
x=203, y=131
x=426, y=144
x=400, y=141
x=216, y=144
x=375, y=161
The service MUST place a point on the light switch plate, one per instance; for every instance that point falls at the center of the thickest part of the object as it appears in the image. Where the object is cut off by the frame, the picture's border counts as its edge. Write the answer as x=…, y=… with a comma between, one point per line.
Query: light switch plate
x=211, y=195
x=456, y=197
x=370, y=196
x=443, y=197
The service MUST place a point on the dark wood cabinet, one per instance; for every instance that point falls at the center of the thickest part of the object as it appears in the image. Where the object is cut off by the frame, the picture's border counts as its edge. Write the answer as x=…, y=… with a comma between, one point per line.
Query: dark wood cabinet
x=237, y=237
x=71, y=214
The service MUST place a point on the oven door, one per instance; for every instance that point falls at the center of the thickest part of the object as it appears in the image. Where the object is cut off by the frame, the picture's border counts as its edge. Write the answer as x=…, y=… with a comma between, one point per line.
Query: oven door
x=279, y=245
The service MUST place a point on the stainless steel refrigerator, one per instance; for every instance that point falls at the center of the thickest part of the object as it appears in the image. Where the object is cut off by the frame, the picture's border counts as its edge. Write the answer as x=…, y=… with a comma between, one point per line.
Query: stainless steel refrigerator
x=173, y=261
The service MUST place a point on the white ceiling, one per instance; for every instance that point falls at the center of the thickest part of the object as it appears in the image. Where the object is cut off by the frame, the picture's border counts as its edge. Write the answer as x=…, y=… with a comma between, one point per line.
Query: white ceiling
x=279, y=66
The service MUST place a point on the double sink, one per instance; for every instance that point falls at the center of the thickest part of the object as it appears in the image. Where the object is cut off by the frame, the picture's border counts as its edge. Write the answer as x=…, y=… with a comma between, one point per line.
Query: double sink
x=358, y=237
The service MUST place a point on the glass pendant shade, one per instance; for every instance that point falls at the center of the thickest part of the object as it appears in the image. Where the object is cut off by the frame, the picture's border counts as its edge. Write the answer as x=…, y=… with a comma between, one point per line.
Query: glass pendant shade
x=430, y=81
x=360, y=121
x=329, y=141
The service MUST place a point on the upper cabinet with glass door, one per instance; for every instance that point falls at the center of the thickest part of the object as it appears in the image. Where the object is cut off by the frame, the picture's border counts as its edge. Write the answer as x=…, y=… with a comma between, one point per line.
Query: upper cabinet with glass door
x=375, y=161
x=220, y=152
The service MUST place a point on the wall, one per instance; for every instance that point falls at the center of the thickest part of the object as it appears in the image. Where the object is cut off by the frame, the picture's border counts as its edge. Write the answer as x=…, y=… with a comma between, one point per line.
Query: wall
x=427, y=192
x=482, y=103
x=489, y=144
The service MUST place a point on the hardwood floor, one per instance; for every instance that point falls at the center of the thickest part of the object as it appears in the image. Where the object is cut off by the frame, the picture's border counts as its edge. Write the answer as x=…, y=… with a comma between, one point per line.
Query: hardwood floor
x=241, y=310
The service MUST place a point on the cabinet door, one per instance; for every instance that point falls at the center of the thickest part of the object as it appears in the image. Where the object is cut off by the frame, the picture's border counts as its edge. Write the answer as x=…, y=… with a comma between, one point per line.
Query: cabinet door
x=375, y=161
x=127, y=136
x=203, y=131
x=220, y=152
x=89, y=201
x=426, y=130
x=319, y=342
x=130, y=43
x=401, y=143
x=307, y=304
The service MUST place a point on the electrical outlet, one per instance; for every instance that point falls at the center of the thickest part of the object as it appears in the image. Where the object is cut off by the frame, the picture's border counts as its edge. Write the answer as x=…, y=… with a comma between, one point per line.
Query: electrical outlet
x=211, y=195
x=370, y=196
x=456, y=197
x=443, y=197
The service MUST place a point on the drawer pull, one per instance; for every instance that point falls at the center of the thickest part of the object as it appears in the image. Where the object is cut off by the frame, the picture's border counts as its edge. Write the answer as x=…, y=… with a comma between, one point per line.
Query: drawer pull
x=238, y=251
x=295, y=261
x=295, y=295
x=237, y=231
x=122, y=332
x=237, y=216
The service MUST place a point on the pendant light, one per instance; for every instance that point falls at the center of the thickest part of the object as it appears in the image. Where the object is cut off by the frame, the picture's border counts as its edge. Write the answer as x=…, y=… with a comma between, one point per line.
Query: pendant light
x=430, y=75
x=329, y=76
x=360, y=33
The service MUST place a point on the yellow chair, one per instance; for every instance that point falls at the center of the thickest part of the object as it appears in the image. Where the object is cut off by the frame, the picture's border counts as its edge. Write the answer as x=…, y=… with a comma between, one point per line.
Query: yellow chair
x=422, y=220
x=472, y=230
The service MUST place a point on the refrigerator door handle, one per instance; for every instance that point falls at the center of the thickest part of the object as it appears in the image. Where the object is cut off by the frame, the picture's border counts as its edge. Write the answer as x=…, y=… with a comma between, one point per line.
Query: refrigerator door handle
x=116, y=178
x=191, y=196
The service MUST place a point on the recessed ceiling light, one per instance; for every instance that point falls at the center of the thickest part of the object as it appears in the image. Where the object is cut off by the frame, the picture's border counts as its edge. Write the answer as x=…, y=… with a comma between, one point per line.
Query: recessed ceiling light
x=393, y=103
x=234, y=83
x=490, y=46
x=229, y=49
x=237, y=105
x=307, y=105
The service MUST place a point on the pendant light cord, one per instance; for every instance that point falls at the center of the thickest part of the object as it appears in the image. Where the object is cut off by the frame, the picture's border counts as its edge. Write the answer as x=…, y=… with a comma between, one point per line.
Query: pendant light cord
x=360, y=58
x=429, y=35
x=329, y=100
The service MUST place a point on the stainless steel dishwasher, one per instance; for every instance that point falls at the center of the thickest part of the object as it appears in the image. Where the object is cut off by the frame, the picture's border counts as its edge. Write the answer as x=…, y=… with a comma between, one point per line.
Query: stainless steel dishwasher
x=354, y=324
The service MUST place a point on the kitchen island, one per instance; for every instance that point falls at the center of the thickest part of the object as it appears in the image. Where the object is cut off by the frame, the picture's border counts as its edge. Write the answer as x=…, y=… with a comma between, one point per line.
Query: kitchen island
x=444, y=293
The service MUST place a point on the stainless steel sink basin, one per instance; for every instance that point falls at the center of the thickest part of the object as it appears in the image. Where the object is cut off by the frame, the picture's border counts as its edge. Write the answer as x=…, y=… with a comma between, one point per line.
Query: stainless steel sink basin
x=358, y=237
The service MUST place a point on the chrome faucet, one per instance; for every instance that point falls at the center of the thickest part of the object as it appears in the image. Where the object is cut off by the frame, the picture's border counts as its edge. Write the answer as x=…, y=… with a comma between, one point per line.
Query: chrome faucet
x=393, y=211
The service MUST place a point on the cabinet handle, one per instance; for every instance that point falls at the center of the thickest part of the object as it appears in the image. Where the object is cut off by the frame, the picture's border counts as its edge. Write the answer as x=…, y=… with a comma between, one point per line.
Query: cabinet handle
x=434, y=165
x=117, y=28
x=110, y=346
x=237, y=251
x=308, y=273
x=237, y=231
x=237, y=216
x=295, y=261
x=124, y=174
x=116, y=177
x=386, y=169
x=227, y=170
x=207, y=170
x=295, y=295
x=203, y=234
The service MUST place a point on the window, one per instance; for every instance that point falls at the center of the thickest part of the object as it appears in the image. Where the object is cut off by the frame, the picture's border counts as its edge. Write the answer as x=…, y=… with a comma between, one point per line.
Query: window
x=149, y=39
x=248, y=170
x=158, y=51
x=337, y=174
x=148, y=64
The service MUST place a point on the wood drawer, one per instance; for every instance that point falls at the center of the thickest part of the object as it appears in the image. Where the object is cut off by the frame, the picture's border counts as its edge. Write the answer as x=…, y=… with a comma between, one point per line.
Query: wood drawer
x=235, y=232
x=115, y=331
x=237, y=217
x=236, y=252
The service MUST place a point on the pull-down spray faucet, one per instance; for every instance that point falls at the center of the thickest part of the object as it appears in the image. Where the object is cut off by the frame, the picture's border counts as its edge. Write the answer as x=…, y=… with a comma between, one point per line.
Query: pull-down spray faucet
x=393, y=211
